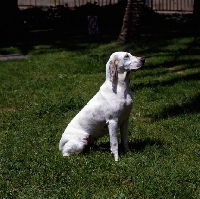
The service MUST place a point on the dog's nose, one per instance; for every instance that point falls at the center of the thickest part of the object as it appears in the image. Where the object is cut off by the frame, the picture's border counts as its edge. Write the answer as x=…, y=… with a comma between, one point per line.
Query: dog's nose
x=142, y=59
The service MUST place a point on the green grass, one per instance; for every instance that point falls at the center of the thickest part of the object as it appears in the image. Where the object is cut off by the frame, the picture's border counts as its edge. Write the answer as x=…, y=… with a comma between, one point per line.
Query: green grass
x=41, y=94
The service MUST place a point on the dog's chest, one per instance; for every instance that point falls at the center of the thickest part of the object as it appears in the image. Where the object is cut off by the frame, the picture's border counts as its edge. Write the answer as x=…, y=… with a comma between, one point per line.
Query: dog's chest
x=126, y=107
x=128, y=99
x=125, y=96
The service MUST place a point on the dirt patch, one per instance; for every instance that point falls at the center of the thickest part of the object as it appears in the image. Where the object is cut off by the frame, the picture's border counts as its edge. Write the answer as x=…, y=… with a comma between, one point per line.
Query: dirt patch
x=12, y=56
x=9, y=109
x=176, y=70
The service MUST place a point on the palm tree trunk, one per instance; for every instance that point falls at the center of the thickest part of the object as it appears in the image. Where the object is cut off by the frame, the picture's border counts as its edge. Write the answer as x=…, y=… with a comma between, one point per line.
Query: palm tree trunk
x=131, y=22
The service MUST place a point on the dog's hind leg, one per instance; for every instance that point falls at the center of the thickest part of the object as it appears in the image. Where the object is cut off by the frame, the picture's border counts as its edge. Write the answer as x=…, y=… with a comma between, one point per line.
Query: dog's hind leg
x=124, y=136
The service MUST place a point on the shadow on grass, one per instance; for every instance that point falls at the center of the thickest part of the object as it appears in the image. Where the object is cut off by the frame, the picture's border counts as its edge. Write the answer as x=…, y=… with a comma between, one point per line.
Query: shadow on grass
x=183, y=64
x=140, y=145
x=192, y=106
x=160, y=45
x=55, y=39
x=135, y=146
x=72, y=39
x=194, y=76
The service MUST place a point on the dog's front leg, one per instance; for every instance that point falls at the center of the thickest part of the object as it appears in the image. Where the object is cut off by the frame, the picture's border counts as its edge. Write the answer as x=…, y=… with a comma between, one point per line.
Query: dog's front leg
x=113, y=126
x=124, y=135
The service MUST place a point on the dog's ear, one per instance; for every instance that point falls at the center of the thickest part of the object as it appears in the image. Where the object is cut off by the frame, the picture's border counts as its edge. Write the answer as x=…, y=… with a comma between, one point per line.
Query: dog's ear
x=113, y=69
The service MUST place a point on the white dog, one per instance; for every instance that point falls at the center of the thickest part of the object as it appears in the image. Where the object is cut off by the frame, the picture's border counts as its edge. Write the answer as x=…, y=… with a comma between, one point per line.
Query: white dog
x=106, y=111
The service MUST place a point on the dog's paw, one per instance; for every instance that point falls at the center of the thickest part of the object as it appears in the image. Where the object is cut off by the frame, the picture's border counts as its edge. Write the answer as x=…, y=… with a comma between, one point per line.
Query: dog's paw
x=116, y=157
x=65, y=154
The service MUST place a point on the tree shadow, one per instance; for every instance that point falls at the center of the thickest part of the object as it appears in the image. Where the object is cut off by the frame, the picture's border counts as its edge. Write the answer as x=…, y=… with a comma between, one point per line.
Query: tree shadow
x=177, y=64
x=172, y=81
x=191, y=106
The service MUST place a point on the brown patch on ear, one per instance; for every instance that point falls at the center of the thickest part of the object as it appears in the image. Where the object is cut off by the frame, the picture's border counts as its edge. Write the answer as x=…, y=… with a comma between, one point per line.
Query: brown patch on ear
x=113, y=69
x=116, y=62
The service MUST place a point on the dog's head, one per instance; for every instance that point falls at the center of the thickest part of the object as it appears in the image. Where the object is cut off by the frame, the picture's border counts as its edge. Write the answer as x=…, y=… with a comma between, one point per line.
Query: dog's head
x=121, y=63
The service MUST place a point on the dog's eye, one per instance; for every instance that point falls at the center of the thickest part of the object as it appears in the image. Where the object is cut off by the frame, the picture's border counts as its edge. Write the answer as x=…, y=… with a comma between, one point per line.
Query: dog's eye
x=126, y=56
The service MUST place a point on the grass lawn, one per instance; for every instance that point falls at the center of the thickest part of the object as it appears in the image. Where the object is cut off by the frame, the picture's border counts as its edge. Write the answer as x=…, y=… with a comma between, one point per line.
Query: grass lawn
x=41, y=94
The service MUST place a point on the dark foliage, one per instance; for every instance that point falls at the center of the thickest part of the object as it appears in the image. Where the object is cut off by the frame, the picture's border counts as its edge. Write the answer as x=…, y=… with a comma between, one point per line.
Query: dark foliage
x=196, y=12
x=62, y=17
x=9, y=17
